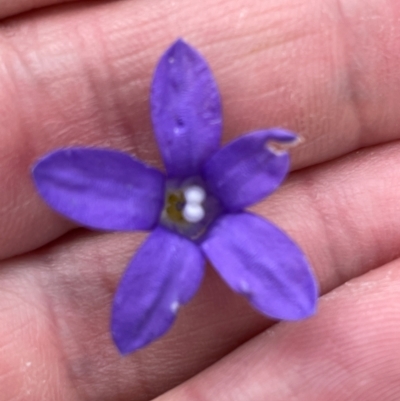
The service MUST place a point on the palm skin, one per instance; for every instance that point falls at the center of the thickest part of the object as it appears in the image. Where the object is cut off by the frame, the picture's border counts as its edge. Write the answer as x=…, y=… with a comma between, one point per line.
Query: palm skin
x=79, y=73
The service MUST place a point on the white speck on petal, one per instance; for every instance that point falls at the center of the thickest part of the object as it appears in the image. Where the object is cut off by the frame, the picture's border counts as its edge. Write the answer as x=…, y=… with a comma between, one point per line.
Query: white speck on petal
x=175, y=306
x=244, y=287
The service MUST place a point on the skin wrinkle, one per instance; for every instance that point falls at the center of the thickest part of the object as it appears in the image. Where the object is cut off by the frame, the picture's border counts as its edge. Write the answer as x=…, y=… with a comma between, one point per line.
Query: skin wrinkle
x=114, y=67
x=270, y=25
x=62, y=330
x=86, y=93
x=97, y=67
x=352, y=72
x=11, y=66
x=327, y=209
x=278, y=41
x=19, y=159
x=119, y=123
x=311, y=192
x=382, y=19
x=124, y=125
x=47, y=300
x=9, y=8
x=28, y=319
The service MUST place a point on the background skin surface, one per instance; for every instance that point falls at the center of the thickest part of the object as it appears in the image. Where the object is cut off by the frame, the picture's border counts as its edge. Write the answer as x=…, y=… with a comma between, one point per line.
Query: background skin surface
x=78, y=73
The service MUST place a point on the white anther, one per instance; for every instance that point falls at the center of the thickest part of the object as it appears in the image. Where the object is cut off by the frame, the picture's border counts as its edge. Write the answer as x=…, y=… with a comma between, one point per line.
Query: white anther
x=193, y=212
x=194, y=194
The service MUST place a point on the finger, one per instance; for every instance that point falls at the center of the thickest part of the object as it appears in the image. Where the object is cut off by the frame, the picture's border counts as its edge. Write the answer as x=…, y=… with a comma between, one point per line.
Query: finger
x=77, y=279
x=9, y=8
x=349, y=351
x=82, y=76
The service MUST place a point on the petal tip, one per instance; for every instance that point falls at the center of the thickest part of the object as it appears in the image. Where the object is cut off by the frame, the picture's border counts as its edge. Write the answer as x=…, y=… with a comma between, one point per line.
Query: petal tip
x=283, y=134
x=180, y=44
x=303, y=310
x=128, y=342
x=34, y=172
x=279, y=141
x=176, y=53
x=311, y=310
x=296, y=314
x=125, y=342
x=39, y=170
x=122, y=349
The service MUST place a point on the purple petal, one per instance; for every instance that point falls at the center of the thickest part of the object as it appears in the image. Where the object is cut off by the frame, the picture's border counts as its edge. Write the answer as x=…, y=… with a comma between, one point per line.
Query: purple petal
x=247, y=170
x=101, y=189
x=259, y=261
x=164, y=274
x=186, y=110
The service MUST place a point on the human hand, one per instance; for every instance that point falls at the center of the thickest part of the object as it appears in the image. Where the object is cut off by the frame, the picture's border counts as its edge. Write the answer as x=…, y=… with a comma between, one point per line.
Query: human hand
x=80, y=74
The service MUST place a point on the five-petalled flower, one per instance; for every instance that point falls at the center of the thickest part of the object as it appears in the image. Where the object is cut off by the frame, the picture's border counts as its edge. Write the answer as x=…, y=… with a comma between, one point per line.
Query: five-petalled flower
x=195, y=209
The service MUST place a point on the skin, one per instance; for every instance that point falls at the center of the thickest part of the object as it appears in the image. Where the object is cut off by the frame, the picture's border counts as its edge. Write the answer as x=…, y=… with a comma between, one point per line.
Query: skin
x=79, y=74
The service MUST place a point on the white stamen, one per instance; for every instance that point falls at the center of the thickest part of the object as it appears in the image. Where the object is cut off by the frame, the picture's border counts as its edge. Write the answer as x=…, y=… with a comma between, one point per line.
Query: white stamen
x=194, y=194
x=193, y=212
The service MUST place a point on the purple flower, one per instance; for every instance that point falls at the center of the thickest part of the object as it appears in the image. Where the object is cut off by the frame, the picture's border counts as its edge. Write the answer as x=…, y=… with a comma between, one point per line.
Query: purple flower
x=196, y=209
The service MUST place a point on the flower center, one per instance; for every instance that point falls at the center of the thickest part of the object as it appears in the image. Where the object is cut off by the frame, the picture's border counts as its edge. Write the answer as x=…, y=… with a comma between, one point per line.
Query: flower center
x=186, y=204
x=188, y=208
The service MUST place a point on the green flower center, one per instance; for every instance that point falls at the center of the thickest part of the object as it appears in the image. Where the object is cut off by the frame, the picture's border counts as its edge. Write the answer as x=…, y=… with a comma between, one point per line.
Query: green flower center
x=188, y=208
x=174, y=203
